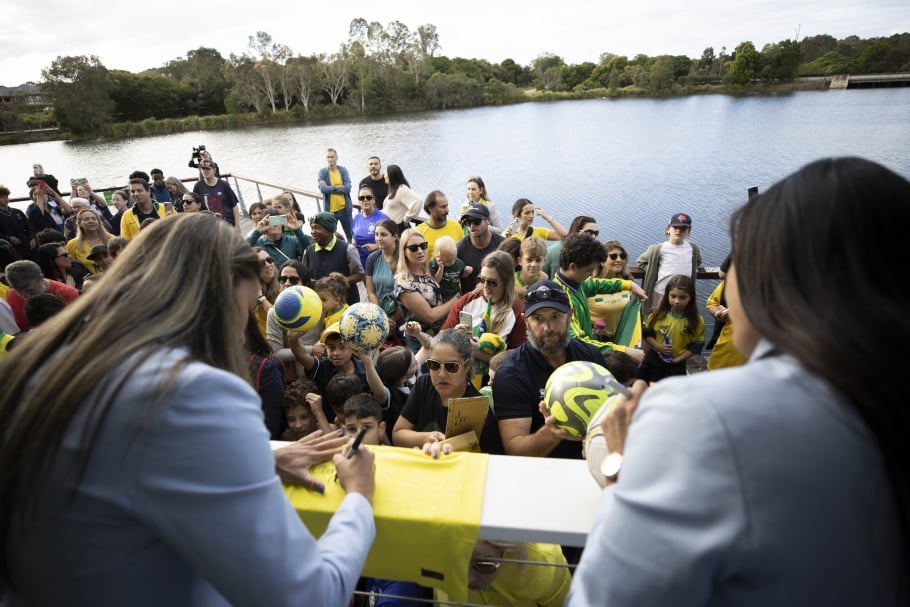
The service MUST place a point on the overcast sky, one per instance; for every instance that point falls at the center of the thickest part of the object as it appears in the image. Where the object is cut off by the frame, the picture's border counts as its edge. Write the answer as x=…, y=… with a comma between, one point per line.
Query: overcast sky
x=135, y=36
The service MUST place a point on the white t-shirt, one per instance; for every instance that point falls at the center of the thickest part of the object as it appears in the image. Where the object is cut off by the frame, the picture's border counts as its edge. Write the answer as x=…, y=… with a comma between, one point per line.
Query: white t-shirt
x=674, y=259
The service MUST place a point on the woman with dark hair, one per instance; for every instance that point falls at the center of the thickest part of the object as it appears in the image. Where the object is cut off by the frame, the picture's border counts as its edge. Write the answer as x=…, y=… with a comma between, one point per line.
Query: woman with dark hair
x=292, y=273
x=609, y=309
x=423, y=420
x=381, y=266
x=477, y=194
x=268, y=288
x=786, y=480
x=140, y=461
x=267, y=375
x=402, y=204
x=365, y=223
x=581, y=223
x=523, y=212
x=56, y=264
x=177, y=190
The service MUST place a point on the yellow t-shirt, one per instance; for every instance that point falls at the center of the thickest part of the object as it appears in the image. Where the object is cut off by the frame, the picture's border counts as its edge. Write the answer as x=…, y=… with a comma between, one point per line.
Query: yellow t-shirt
x=431, y=234
x=543, y=233
x=724, y=353
x=336, y=201
x=81, y=255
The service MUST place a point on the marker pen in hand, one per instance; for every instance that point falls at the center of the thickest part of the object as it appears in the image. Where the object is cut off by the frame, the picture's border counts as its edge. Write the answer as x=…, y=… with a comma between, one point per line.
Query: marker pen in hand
x=357, y=442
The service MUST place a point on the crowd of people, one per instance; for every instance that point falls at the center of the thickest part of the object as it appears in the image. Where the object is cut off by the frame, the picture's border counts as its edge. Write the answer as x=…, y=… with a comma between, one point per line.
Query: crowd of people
x=163, y=303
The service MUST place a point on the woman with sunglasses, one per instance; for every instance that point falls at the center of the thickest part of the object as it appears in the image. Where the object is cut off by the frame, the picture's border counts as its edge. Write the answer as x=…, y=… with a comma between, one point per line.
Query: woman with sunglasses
x=423, y=419
x=494, y=307
x=292, y=273
x=193, y=202
x=56, y=264
x=416, y=289
x=365, y=223
x=607, y=309
x=268, y=288
x=581, y=223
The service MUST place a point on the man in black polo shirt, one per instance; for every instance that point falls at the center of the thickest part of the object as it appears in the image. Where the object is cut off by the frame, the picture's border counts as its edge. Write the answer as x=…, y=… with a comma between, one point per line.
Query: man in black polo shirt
x=519, y=387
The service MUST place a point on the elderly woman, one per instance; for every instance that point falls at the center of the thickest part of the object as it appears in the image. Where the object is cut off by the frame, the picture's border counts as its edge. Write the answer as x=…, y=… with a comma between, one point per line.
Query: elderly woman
x=608, y=309
x=163, y=436
x=89, y=233
x=365, y=223
x=789, y=476
x=416, y=289
x=523, y=212
x=423, y=419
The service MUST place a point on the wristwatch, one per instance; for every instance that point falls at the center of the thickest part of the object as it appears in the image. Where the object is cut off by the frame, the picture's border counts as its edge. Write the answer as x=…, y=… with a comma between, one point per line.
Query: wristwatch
x=611, y=465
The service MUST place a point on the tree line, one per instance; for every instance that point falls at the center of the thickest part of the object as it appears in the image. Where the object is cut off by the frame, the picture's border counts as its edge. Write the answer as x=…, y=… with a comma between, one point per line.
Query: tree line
x=391, y=68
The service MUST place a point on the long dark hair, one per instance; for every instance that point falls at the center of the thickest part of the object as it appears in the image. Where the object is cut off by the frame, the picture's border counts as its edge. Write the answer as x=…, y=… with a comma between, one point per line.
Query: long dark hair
x=187, y=307
x=47, y=261
x=841, y=224
x=396, y=178
x=680, y=281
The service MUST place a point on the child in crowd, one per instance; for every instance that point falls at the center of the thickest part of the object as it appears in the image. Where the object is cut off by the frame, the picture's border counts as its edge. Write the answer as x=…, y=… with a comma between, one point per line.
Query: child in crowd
x=363, y=411
x=531, y=255
x=663, y=260
x=621, y=366
x=512, y=246
x=397, y=370
x=332, y=291
x=302, y=418
x=339, y=389
x=675, y=331
x=447, y=269
x=495, y=363
x=338, y=360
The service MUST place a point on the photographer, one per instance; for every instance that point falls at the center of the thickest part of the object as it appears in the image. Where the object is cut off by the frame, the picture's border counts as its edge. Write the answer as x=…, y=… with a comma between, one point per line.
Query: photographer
x=200, y=154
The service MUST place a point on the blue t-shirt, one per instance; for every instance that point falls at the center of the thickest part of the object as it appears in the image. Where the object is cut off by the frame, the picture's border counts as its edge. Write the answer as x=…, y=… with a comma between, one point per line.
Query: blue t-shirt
x=219, y=198
x=365, y=232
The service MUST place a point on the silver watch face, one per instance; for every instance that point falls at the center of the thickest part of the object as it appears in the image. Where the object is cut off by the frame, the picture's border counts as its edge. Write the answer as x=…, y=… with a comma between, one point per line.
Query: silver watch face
x=611, y=465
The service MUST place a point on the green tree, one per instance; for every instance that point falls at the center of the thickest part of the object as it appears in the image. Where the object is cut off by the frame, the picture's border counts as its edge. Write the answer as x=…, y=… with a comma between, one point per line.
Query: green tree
x=707, y=60
x=746, y=63
x=574, y=75
x=660, y=76
x=546, y=69
x=306, y=73
x=80, y=87
x=140, y=96
x=203, y=73
x=781, y=61
x=453, y=90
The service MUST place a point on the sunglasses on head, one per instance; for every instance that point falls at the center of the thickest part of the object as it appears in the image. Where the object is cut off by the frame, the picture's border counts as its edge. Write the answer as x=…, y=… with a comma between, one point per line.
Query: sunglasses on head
x=546, y=294
x=485, y=567
x=615, y=256
x=450, y=367
x=593, y=233
x=362, y=198
x=488, y=281
x=413, y=248
x=294, y=280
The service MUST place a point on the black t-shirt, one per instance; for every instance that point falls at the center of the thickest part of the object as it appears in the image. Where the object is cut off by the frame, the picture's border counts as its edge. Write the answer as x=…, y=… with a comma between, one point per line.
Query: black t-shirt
x=380, y=189
x=424, y=409
x=472, y=256
x=219, y=198
x=519, y=387
x=140, y=216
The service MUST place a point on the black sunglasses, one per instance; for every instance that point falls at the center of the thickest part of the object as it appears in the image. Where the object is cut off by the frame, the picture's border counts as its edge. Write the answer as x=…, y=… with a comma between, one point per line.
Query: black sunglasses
x=488, y=281
x=450, y=367
x=594, y=233
x=295, y=280
x=362, y=198
x=472, y=222
x=615, y=256
x=413, y=248
x=267, y=260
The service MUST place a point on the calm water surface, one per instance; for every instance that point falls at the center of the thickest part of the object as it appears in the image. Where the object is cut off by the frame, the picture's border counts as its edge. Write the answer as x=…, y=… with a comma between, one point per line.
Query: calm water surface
x=631, y=163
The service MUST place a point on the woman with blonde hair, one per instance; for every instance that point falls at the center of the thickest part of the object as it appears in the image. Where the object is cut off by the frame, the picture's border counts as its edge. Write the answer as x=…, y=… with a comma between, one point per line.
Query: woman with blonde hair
x=177, y=190
x=89, y=233
x=416, y=289
x=132, y=462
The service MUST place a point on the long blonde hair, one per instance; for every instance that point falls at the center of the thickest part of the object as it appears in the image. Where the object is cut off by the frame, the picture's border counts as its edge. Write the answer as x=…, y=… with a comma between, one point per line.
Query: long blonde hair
x=404, y=272
x=81, y=236
x=501, y=262
x=144, y=304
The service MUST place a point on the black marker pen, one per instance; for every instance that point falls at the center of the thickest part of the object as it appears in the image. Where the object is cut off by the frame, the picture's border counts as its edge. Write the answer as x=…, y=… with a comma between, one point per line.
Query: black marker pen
x=357, y=442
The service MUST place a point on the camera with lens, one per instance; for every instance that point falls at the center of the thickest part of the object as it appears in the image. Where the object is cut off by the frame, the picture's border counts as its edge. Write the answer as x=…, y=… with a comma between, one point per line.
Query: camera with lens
x=197, y=152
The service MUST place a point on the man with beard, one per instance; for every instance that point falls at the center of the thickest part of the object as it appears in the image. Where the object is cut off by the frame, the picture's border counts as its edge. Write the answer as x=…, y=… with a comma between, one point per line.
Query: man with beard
x=375, y=181
x=477, y=244
x=519, y=387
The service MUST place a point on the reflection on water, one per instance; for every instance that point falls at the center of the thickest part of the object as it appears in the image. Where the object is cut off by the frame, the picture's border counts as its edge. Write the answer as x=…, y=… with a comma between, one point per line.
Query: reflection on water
x=631, y=163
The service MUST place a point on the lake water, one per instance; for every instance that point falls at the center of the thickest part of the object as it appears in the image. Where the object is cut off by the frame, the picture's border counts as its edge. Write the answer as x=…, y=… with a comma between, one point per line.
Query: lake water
x=630, y=163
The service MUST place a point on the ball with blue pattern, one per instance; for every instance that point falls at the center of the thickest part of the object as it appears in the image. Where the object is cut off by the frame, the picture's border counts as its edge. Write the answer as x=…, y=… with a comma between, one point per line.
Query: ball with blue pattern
x=364, y=325
x=297, y=308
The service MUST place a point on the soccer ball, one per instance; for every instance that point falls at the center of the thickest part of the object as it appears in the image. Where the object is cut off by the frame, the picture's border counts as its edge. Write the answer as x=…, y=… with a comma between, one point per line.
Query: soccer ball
x=574, y=392
x=364, y=326
x=297, y=309
x=595, y=445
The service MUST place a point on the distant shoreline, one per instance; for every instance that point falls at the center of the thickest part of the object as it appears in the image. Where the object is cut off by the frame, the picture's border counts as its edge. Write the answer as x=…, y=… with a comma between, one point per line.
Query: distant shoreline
x=169, y=126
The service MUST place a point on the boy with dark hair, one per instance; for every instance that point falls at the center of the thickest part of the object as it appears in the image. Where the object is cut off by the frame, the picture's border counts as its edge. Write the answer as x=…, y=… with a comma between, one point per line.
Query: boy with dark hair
x=578, y=261
x=363, y=411
x=302, y=417
x=337, y=392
